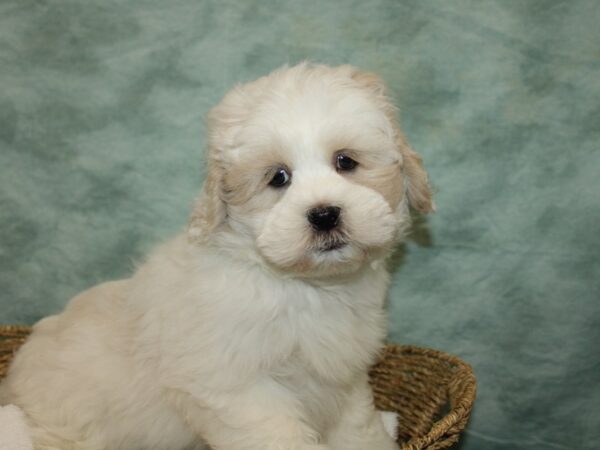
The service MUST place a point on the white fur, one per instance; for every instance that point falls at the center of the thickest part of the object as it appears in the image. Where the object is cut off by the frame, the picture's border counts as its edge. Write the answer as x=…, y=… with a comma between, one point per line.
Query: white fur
x=13, y=429
x=243, y=333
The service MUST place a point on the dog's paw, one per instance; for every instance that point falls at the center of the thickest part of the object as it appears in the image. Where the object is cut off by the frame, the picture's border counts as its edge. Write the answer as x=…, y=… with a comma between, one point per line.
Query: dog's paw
x=390, y=423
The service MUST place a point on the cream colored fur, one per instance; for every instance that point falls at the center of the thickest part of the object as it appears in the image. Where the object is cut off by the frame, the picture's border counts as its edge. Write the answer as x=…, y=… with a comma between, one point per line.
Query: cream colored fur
x=243, y=333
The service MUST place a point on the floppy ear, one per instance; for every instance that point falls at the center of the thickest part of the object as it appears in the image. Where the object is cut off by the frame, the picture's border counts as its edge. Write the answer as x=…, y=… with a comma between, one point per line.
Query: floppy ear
x=209, y=211
x=416, y=180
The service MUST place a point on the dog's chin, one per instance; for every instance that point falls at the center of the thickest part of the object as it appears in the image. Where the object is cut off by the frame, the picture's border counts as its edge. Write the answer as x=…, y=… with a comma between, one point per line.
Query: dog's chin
x=336, y=258
x=331, y=246
x=320, y=260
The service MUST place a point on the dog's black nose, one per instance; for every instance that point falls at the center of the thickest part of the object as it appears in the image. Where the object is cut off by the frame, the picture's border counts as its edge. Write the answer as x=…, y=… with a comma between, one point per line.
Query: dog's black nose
x=324, y=218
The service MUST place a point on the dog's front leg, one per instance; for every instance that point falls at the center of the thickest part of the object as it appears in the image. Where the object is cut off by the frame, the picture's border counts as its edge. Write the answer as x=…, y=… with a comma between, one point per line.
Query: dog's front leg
x=263, y=416
x=360, y=426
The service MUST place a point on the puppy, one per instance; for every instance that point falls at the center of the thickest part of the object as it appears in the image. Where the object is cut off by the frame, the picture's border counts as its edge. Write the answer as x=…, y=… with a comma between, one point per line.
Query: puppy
x=256, y=328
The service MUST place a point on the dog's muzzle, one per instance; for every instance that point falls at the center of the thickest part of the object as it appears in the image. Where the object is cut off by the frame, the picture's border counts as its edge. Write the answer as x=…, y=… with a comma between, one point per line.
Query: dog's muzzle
x=326, y=222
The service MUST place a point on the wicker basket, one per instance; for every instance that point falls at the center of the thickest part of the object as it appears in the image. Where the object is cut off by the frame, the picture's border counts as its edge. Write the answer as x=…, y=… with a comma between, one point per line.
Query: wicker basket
x=432, y=392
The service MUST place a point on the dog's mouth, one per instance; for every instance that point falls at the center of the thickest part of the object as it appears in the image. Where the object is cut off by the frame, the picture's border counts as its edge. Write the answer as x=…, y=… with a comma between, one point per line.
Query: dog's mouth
x=330, y=245
x=329, y=241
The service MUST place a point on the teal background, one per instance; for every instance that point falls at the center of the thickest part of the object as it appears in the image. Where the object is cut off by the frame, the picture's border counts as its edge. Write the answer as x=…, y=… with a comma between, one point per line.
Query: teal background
x=101, y=131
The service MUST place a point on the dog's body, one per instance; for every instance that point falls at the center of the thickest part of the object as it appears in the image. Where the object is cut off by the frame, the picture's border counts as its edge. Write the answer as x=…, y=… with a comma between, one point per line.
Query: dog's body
x=256, y=329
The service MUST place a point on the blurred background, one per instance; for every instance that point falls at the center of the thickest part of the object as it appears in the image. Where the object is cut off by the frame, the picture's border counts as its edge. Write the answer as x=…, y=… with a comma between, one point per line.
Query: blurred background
x=101, y=135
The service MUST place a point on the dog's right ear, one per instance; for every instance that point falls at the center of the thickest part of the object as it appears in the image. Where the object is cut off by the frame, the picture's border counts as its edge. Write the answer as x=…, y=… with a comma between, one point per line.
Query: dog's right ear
x=210, y=211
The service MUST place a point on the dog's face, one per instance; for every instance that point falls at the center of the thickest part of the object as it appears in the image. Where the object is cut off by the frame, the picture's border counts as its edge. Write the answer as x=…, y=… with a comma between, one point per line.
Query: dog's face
x=309, y=164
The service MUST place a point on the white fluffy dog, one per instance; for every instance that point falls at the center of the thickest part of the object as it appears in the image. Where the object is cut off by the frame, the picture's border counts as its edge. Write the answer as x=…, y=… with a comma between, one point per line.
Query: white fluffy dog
x=255, y=329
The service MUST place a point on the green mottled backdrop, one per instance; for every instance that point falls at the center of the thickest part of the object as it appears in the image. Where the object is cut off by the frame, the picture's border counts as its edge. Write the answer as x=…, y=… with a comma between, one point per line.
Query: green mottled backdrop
x=101, y=130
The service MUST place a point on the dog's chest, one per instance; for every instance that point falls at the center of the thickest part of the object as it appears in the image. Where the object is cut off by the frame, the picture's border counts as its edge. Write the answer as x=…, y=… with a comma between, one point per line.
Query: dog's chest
x=329, y=333
x=233, y=328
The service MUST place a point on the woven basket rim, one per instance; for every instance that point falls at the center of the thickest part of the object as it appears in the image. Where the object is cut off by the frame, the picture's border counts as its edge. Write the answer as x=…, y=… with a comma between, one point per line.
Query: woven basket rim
x=463, y=375
x=8, y=329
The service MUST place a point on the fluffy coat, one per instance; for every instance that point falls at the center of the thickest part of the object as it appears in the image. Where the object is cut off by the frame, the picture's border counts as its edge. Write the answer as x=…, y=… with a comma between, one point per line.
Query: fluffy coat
x=250, y=331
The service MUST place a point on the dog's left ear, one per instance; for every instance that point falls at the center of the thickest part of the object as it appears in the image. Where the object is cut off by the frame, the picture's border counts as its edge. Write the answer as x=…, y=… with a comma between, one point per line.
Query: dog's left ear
x=210, y=211
x=416, y=180
x=417, y=186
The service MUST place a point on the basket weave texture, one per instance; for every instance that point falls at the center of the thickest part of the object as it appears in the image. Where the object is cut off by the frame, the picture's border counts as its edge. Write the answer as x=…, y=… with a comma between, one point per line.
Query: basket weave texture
x=432, y=392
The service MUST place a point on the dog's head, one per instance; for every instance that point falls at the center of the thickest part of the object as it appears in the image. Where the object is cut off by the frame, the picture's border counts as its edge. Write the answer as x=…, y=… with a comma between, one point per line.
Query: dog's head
x=308, y=164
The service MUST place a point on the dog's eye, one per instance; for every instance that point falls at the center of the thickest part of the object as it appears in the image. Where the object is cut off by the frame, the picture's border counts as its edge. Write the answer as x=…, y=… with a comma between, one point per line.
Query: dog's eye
x=344, y=163
x=280, y=179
